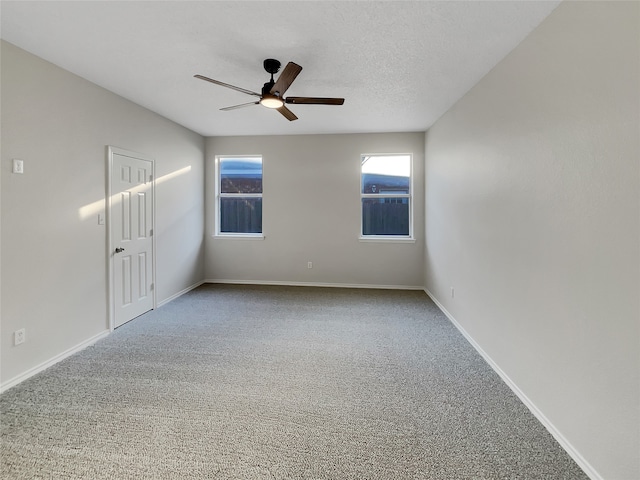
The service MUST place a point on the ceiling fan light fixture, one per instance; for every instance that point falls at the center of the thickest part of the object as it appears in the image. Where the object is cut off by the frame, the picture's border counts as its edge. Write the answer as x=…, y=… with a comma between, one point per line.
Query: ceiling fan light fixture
x=271, y=101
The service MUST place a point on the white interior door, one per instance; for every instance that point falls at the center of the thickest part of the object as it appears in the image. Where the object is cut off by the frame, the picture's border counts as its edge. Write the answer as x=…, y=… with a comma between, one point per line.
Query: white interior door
x=131, y=227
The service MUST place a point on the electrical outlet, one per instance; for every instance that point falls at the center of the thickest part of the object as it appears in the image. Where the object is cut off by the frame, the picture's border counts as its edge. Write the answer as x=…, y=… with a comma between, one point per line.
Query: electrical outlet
x=309, y=264
x=19, y=336
x=18, y=166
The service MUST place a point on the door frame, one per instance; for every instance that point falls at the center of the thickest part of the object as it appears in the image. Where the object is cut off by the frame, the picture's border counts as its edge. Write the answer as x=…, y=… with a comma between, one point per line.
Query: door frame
x=111, y=151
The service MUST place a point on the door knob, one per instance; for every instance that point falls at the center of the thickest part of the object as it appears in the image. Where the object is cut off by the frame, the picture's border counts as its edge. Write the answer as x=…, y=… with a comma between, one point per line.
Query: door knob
x=119, y=249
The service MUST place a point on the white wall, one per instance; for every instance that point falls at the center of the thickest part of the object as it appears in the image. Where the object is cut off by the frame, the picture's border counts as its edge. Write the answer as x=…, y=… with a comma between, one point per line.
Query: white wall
x=532, y=184
x=54, y=280
x=311, y=212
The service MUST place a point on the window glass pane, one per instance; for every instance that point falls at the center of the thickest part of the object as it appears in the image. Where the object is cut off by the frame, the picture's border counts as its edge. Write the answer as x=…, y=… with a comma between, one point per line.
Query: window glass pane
x=386, y=174
x=240, y=215
x=241, y=175
x=385, y=216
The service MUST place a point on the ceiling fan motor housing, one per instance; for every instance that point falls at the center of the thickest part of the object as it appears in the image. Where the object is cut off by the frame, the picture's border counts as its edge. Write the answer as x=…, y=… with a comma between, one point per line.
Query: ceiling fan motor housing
x=266, y=89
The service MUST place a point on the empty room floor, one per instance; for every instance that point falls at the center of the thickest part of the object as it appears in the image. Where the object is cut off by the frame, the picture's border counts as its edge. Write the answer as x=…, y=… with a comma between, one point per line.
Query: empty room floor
x=266, y=382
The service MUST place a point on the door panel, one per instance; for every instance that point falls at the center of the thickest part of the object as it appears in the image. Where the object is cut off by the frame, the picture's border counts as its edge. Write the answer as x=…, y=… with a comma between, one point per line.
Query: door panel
x=131, y=236
x=126, y=280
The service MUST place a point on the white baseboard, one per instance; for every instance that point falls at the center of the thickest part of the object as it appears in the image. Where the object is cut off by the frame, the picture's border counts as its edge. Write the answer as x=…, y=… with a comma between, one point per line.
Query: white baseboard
x=313, y=284
x=43, y=366
x=180, y=293
x=564, y=443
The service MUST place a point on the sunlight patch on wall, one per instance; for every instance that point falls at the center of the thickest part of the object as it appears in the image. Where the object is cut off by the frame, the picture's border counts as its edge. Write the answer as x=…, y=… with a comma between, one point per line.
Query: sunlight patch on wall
x=98, y=206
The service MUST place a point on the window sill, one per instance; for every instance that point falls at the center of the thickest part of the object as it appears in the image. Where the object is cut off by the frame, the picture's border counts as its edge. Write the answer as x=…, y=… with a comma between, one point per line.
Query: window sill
x=238, y=236
x=386, y=239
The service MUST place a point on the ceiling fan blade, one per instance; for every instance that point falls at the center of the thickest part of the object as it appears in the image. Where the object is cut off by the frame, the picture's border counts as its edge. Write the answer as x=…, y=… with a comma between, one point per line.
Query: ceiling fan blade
x=287, y=113
x=286, y=78
x=315, y=100
x=239, y=106
x=233, y=87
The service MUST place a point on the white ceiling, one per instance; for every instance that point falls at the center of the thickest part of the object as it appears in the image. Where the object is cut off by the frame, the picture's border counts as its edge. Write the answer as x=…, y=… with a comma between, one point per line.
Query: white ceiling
x=400, y=65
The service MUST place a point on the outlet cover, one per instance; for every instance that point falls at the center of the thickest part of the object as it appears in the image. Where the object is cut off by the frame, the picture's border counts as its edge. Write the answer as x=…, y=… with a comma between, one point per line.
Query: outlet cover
x=18, y=166
x=19, y=336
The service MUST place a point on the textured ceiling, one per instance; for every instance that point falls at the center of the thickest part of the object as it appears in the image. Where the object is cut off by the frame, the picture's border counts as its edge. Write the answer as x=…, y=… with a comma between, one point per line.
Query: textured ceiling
x=400, y=65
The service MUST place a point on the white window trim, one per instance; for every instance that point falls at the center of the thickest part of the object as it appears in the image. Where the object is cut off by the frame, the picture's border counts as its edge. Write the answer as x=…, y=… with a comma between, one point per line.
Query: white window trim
x=388, y=238
x=239, y=236
x=234, y=235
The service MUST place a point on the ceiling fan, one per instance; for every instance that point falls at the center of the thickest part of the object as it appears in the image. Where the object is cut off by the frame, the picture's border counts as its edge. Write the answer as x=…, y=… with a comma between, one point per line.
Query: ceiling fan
x=272, y=95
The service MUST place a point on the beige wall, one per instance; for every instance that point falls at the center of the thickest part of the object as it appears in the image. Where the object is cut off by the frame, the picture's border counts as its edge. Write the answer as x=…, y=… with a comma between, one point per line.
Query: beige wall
x=54, y=280
x=311, y=213
x=532, y=200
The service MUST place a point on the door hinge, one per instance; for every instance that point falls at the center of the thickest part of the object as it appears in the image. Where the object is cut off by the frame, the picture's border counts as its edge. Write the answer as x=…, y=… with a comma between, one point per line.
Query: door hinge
x=151, y=287
x=151, y=178
x=151, y=232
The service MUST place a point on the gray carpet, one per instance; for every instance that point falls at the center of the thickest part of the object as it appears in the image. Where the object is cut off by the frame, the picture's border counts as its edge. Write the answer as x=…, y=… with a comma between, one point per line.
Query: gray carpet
x=247, y=382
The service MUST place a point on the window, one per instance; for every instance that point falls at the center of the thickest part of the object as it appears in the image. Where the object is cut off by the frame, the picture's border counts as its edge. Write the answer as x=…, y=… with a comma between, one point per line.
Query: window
x=385, y=191
x=239, y=202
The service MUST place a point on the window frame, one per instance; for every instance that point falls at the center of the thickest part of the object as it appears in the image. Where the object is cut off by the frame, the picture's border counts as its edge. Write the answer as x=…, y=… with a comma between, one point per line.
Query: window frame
x=409, y=238
x=220, y=195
